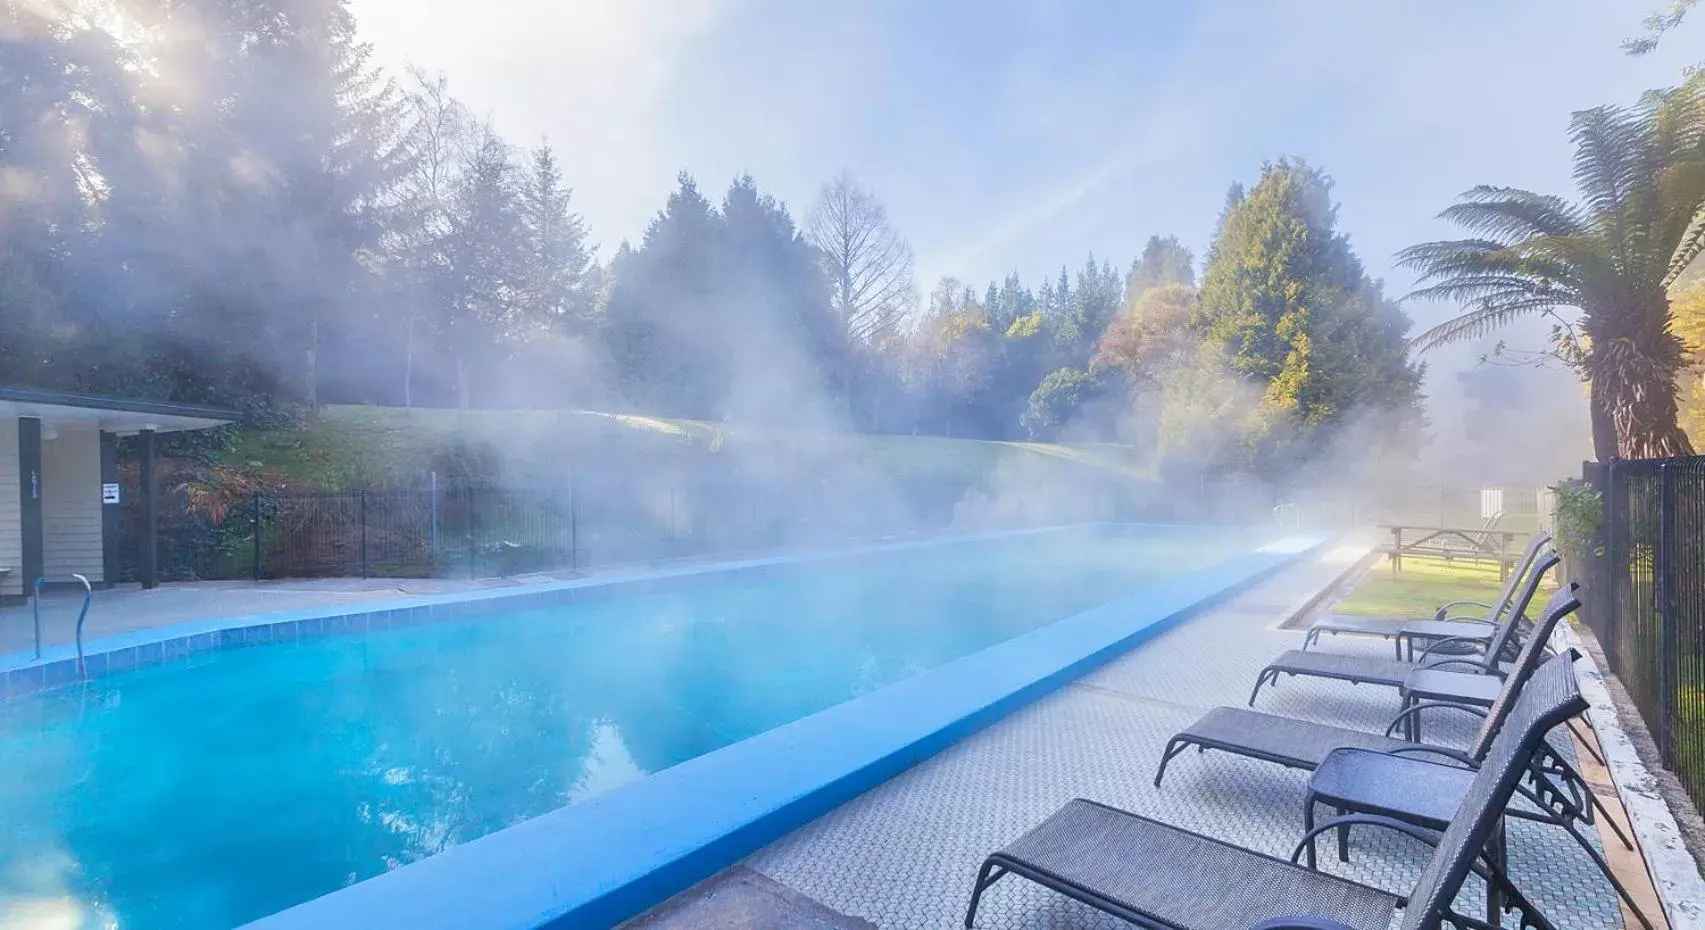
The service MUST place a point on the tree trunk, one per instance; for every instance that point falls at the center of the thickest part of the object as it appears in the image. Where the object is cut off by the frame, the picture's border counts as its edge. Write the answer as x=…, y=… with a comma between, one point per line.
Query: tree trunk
x=408, y=364
x=1635, y=379
x=463, y=397
x=311, y=376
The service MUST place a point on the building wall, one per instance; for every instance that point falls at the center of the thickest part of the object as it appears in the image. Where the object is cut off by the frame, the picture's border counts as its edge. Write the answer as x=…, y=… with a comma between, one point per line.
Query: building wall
x=71, y=504
x=11, y=528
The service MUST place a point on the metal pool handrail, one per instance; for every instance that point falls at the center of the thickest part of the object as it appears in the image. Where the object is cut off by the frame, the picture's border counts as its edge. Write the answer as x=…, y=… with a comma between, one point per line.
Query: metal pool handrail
x=88, y=597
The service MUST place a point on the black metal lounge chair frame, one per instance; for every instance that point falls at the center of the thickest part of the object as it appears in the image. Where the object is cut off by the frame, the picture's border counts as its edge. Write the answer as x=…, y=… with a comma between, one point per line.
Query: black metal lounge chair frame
x=1554, y=786
x=1391, y=673
x=1394, y=628
x=1551, y=698
x=1580, y=806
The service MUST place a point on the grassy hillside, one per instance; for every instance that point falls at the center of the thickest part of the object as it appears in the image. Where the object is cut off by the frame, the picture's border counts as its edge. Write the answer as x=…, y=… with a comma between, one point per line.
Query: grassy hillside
x=344, y=447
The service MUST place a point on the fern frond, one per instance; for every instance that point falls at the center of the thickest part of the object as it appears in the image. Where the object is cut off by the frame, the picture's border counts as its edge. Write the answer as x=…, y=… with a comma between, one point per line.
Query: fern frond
x=1471, y=325
x=1692, y=243
x=1511, y=214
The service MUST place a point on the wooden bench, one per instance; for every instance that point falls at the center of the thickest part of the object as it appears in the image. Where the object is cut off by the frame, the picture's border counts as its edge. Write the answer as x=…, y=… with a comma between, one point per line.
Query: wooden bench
x=1450, y=543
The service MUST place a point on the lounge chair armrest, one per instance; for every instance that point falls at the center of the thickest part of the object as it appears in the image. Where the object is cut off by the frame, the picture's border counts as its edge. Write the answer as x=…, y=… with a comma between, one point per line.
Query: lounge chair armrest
x=1452, y=641
x=1300, y=923
x=1416, y=708
x=1455, y=755
x=1458, y=660
x=1441, y=613
x=1479, y=620
x=1370, y=820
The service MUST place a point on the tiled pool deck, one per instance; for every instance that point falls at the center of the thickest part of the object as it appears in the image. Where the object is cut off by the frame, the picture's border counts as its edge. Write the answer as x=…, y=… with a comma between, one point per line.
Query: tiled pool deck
x=903, y=855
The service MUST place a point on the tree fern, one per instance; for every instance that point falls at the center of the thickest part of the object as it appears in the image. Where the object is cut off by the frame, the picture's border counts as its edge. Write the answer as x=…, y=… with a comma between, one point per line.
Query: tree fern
x=1606, y=260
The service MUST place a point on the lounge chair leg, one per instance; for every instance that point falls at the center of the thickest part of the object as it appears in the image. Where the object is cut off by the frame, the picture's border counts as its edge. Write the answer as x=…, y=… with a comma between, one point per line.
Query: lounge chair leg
x=1496, y=852
x=1309, y=638
x=1173, y=748
x=1604, y=867
x=1586, y=744
x=984, y=880
x=1604, y=812
x=1261, y=679
x=1308, y=828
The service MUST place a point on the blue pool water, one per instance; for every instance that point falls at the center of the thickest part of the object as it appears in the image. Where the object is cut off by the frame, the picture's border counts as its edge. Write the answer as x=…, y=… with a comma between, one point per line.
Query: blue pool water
x=213, y=791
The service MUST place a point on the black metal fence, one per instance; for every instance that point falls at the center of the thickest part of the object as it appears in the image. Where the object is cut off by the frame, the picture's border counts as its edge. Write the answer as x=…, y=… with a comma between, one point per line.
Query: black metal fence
x=465, y=532
x=212, y=533
x=218, y=534
x=1645, y=587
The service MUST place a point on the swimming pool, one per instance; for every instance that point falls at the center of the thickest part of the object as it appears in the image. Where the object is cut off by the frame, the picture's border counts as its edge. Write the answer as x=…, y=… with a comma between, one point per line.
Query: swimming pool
x=216, y=790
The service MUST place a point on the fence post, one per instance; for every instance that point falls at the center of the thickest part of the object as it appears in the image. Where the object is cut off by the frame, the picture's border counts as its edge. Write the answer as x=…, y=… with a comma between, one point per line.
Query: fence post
x=255, y=514
x=363, y=499
x=1614, y=543
x=473, y=527
x=573, y=527
x=1667, y=614
x=432, y=504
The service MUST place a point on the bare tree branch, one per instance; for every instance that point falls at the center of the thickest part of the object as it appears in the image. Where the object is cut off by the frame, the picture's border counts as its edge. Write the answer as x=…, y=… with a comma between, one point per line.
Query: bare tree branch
x=868, y=264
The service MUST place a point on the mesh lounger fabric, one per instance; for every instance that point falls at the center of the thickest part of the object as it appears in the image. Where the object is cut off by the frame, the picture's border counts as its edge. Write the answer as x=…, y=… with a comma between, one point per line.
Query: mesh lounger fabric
x=1366, y=669
x=1449, y=629
x=1439, y=684
x=1362, y=626
x=1102, y=851
x=1301, y=744
x=1427, y=793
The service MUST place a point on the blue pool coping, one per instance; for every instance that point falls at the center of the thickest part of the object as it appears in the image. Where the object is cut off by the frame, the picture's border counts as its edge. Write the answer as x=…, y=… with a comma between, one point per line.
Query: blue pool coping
x=21, y=673
x=602, y=861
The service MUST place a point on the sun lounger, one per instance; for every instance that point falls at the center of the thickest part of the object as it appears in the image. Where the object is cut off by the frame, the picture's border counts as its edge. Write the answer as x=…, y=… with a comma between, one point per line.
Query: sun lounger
x=1304, y=744
x=1160, y=876
x=1443, y=624
x=1330, y=750
x=1391, y=673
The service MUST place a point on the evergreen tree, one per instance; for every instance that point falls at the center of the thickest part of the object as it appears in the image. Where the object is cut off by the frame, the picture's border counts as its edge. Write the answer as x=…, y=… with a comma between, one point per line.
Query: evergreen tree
x=1164, y=261
x=484, y=248
x=1286, y=304
x=661, y=309
x=558, y=279
x=785, y=346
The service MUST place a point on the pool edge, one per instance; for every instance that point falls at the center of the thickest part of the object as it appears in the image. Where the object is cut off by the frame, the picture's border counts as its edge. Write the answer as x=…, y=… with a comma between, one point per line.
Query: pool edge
x=658, y=836
x=22, y=674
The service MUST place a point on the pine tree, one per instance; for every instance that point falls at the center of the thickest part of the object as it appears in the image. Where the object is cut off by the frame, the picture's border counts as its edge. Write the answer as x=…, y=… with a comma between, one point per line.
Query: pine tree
x=557, y=279
x=484, y=247
x=1287, y=305
x=1164, y=261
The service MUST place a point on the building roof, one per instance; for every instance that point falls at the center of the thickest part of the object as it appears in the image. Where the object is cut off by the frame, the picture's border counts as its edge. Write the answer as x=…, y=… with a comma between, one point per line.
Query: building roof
x=112, y=414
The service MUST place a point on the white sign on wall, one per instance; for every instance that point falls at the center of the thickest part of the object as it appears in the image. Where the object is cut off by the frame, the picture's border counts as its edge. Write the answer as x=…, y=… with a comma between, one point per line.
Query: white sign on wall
x=109, y=493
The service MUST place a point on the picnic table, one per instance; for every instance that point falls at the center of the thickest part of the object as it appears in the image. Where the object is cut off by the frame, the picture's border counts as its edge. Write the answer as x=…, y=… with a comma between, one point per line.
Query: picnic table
x=1450, y=543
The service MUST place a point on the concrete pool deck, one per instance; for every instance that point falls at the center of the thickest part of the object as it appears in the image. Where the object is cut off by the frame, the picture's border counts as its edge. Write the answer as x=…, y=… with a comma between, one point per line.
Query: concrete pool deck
x=129, y=609
x=903, y=854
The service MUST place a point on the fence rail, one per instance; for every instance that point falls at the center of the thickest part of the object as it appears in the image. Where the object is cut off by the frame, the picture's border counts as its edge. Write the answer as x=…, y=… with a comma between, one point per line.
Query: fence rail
x=486, y=531
x=215, y=534
x=1646, y=599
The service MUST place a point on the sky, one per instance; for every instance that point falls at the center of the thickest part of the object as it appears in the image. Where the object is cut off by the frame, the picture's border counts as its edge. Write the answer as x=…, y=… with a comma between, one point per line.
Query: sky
x=1021, y=136
x=1009, y=135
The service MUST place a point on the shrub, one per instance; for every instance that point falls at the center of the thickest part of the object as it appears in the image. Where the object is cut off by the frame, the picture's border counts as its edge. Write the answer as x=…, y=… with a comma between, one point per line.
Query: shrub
x=1580, y=515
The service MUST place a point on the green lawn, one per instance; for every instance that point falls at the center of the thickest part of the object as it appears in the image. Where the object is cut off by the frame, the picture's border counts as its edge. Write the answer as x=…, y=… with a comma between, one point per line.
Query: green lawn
x=346, y=447
x=1423, y=585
